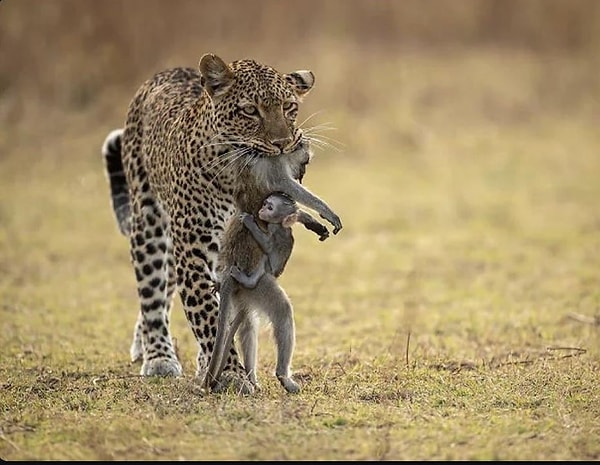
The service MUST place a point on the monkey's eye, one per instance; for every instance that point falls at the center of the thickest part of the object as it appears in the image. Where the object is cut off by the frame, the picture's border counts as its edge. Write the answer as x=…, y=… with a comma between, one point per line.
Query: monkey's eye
x=249, y=110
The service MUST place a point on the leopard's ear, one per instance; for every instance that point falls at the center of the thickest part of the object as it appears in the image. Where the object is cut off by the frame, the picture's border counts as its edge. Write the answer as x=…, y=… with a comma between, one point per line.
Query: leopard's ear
x=301, y=81
x=217, y=77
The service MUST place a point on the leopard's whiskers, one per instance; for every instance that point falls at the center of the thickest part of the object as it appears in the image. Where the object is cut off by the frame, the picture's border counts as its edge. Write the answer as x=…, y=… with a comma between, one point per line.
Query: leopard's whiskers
x=309, y=117
x=315, y=135
x=232, y=158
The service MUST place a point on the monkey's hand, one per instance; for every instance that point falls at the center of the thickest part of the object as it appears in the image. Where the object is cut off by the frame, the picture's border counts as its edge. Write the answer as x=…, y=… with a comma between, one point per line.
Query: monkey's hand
x=334, y=220
x=247, y=219
x=324, y=236
x=316, y=227
x=243, y=216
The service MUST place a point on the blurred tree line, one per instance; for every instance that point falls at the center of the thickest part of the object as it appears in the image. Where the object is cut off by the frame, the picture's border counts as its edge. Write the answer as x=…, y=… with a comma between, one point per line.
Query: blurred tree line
x=49, y=45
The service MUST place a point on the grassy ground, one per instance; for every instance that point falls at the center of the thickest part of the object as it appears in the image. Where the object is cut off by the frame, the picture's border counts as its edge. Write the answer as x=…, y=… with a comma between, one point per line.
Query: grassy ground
x=455, y=317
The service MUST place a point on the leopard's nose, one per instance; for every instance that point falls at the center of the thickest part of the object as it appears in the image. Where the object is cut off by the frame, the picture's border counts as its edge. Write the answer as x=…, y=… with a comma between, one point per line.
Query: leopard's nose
x=282, y=143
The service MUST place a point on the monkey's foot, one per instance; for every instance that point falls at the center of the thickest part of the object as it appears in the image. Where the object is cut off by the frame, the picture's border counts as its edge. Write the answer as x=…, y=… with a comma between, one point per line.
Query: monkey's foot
x=161, y=366
x=289, y=384
x=235, y=383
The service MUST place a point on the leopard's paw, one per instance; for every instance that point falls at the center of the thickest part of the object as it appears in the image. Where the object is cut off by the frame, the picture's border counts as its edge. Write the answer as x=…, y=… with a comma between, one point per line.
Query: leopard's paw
x=161, y=366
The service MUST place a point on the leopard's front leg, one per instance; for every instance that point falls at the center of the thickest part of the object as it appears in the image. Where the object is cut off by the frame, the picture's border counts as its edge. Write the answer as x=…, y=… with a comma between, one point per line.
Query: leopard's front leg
x=136, y=351
x=149, y=245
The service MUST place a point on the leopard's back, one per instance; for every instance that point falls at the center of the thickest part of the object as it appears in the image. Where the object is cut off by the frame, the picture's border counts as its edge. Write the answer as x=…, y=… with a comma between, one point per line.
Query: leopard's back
x=168, y=124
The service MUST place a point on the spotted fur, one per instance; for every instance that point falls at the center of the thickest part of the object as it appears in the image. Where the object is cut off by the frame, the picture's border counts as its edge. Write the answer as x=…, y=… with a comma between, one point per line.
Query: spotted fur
x=173, y=174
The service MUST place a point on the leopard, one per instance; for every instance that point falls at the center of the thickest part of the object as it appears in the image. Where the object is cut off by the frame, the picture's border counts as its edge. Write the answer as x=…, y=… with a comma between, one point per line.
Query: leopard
x=173, y=171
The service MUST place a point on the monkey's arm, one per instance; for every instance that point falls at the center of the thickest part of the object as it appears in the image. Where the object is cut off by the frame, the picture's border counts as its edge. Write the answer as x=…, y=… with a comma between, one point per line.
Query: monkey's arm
x=261, y=237
x=313, y=225
x=303, y=196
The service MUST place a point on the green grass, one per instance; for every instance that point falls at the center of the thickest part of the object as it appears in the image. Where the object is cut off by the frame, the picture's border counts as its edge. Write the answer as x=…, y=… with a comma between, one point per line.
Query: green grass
x=468, y=187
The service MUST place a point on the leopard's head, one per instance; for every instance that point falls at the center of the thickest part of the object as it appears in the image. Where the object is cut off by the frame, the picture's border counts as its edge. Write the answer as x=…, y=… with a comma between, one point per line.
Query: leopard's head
x=255, y=107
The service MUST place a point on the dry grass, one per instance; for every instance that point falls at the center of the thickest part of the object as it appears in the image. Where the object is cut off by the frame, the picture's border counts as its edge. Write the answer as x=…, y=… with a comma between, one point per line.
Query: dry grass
x=474, y=229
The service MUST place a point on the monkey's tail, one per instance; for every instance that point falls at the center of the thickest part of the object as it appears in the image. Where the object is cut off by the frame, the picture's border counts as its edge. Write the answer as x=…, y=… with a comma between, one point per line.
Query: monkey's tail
x=119, y=191
x=215, y=367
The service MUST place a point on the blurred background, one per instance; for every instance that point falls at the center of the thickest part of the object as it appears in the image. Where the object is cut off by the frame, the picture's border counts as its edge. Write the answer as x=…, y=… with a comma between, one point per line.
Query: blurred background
x=76, y=56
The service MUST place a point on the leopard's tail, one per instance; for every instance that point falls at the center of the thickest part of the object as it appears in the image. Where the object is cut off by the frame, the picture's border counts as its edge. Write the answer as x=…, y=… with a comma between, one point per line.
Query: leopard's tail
x=119, y=192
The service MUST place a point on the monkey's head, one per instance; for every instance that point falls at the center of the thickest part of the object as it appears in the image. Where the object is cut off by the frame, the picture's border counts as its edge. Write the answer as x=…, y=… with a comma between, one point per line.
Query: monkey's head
x=279, y=208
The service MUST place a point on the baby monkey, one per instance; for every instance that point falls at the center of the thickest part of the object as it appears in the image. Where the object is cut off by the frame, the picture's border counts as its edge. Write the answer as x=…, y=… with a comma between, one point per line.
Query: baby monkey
x=259, y=289
x=280, y=212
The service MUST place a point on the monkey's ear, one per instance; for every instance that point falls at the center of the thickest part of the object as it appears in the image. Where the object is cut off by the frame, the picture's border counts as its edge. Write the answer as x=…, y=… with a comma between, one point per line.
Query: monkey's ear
x=302, y=81
x=217, y=77
x=289, y=220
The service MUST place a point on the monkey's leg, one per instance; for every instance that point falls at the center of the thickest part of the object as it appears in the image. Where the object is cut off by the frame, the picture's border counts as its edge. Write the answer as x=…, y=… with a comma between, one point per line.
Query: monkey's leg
x=249, y=281
x=273, y=300
x=247, y=322
x=248, y=339
x=231, y=330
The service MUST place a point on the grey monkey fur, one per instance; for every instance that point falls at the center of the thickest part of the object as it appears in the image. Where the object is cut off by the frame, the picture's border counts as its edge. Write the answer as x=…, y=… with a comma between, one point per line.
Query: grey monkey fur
x=240, y=248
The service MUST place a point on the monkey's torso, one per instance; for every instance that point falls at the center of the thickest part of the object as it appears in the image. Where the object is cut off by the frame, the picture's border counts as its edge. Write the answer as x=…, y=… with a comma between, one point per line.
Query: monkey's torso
x=282, y=242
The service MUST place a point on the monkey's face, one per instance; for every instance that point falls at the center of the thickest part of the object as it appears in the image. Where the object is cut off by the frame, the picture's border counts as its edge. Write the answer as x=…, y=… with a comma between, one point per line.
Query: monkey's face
x=268, y=211
x=275, y=208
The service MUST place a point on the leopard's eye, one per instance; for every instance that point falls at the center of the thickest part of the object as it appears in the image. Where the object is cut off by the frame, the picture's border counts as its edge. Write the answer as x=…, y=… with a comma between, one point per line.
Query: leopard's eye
x=290, y=106
x=249, y=110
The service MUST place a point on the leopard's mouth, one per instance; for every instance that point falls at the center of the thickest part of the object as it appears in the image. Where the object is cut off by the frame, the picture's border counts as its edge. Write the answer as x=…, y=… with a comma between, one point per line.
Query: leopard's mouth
x=253, y=152
x=300, y=143
x=249, y=151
